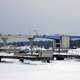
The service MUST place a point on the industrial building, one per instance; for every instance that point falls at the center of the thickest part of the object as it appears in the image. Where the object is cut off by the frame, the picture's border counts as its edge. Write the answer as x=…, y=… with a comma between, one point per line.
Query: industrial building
x=59, y=41
x=61, y=44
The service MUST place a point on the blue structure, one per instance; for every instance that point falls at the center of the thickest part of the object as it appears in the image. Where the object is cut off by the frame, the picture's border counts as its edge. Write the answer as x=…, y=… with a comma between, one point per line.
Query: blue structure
x=62, y=41
x=48, y=36
x=55, y=36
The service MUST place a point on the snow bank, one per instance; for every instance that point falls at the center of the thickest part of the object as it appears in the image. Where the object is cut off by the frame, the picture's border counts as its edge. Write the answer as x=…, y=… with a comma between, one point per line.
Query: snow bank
x=74, y=51
x=6, y=54
x=57, y=70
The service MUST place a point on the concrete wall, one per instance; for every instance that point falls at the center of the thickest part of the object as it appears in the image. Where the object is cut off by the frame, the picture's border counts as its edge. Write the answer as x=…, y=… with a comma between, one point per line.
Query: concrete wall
x=65, y=41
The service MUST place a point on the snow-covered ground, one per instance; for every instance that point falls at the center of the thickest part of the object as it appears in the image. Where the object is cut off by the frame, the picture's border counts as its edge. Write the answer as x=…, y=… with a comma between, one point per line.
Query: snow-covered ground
x=56, y=70
x=11, y=69
x=74, y=51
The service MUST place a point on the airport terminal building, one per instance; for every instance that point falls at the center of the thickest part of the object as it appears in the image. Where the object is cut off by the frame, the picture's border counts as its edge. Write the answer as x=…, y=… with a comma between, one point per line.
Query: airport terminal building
x=62, y=41
x=58, y=41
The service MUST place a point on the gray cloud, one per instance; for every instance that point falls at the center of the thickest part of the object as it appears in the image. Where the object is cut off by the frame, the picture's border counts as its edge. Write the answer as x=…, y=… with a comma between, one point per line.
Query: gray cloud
x=45, y=16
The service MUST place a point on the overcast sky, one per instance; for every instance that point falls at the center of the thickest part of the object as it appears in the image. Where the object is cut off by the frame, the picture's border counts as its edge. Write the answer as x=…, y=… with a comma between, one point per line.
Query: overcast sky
x=42, y=16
